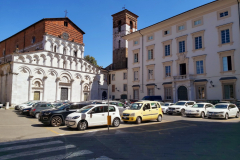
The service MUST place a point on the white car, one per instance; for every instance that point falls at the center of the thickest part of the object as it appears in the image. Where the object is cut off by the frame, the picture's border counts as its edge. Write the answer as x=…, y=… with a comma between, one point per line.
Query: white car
x=27, y=105
x=180, y=107
x=223, y=110
x=198, y=110
x=93, y=115
x=165, y=106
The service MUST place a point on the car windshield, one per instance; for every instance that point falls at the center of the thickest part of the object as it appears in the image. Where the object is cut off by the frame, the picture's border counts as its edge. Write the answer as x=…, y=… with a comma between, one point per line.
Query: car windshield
x=57, y=105
x=62, y=107
x=136, y=106
x=221, y=106
x=85, y=109
x=166, y=104
x=198, y=106
x=180, y=103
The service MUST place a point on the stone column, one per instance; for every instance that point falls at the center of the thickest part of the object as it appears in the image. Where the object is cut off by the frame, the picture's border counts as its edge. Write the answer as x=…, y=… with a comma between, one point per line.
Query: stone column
x=44, y=87
x=71, y=93
x=30, y=88
x=90, y=90
x=81, y=90
x=57, y=87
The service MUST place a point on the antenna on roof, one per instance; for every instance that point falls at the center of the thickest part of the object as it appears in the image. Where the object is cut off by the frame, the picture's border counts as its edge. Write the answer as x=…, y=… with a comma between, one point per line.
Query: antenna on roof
x=65, y=13
x=123, y=7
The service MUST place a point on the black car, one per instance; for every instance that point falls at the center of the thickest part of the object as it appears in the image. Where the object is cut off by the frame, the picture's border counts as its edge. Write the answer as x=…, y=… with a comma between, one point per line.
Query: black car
x=26, y=111
x=152, y=98
x=56, y=116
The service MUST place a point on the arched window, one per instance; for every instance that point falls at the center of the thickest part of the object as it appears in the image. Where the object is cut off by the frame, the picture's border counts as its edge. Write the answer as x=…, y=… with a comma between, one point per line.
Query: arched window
x=64, y=50
x=75, y=53
x=4, y=52
x=55, y=48
x=37, y=84
x=33, y=39
x=119, y=26
x=131, y=25
x=119, y=44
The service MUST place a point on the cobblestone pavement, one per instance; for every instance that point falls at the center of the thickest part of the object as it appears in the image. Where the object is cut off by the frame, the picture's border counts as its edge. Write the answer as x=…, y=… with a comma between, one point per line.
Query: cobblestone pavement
x=175, y=138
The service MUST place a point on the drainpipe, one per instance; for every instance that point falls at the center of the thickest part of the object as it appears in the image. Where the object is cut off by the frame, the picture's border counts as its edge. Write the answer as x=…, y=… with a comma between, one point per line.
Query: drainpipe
x=142, y=63
x=238, y=13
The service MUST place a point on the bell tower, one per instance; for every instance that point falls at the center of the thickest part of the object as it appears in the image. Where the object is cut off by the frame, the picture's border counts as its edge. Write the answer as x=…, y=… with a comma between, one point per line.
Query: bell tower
x=124, y=22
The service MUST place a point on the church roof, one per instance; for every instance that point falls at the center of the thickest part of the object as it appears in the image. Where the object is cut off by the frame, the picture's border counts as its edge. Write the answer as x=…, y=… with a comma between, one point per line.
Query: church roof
x=61, y=18
x=126, y=11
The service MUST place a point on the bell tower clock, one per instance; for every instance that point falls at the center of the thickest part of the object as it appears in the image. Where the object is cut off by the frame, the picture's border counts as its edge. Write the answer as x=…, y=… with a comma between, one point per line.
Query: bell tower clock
x=124, y=23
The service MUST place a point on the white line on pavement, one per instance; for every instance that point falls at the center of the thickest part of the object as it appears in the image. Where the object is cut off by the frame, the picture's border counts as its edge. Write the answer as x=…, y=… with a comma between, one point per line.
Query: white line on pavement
x=66, y=156
x=30, y=153
x=23, y=141
x=29, y=146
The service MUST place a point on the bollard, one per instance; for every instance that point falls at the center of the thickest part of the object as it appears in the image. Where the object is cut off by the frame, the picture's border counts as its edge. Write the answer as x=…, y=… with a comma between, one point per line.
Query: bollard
x=7, y=105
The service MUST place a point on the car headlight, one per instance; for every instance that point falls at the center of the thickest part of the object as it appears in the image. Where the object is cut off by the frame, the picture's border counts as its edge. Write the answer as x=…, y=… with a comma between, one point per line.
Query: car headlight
x=132, y=114
x=75, y=117
x=197, y=110
x=47, y=113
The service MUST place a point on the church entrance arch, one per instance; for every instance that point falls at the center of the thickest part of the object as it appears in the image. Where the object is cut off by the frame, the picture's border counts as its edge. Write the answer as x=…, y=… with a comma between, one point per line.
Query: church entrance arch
x=104, y=95
x=182, y=93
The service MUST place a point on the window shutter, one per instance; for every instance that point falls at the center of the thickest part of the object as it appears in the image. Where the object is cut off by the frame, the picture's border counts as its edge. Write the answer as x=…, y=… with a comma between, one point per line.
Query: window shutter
x=229, y=62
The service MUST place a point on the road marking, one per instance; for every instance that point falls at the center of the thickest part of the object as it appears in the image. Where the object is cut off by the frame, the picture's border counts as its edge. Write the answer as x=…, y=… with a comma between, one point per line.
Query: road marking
x=53, y=131
x=29, y=146
x=23, y=141
x=40, y=151
x=68, y=155
x=89, y=134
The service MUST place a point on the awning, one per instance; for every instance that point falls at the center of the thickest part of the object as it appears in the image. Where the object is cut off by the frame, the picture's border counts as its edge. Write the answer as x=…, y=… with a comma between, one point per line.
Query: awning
x=151, y=84
x=227, y=78
x=167, y=83
x=201, y=80
x=136, y=86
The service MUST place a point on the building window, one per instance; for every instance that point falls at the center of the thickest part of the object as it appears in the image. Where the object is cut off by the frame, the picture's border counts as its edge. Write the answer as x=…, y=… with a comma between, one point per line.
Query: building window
x=183, y=69
x=150, y=91
x=65, y=24
x=150, y=38
x=150, y=54
x=75, y=53
x=225, y=37
x=136, y=94
x=119, y=44
x=167, y=71
x=135, y=76
x=135, y=57
x=55, y=48
x=199, y=66
x=181, y=27
x=166, y=32
x=17, y=46
x=227, y=63
x=228, y=92
x=168, y=93
x=113, y=88
x=167, y=50
x=131, y=25
x=119, y=26
x=201, y=92
x=4, y=52
x=150, y=74
x=223, y=14
x=64, y=50
x=33, y=39
x=181, y=46
x=124, y=87
x=135, y=42
x=198, y=42
x=124, y=75
x=113, y=77
x=198, y=22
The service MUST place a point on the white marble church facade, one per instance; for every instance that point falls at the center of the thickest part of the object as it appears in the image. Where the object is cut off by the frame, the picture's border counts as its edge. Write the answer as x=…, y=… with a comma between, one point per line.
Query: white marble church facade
x=57, y=71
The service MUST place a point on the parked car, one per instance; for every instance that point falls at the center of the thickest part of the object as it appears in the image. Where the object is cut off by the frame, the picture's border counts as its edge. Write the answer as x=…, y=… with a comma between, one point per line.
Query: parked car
x=223, y=110
x=121, y=106
x=35, y=111
x=180, y=107
x=93, y=115
x=152, y=98
x=213, y=101
x=56, y=116
x=24, y=103
x=133, y=101
x=198, y=110
x=26, y=111
x=238, y=104
x=165, y=106
x=143, y=111
x=30, y=104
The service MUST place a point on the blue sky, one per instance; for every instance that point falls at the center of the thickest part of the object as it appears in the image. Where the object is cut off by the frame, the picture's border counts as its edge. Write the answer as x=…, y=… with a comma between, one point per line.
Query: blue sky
x=92, y=16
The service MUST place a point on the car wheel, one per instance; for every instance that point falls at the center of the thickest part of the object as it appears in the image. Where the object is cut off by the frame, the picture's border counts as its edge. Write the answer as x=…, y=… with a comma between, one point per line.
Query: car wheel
x=202, y=115
x=159, y=119
x=125, y=121
x=37, y=115
x=183, y=112
x=237, y=115
x=56, y=121
x=82, y=125
x=116, y=122
x=138, y=120
x=226, y=116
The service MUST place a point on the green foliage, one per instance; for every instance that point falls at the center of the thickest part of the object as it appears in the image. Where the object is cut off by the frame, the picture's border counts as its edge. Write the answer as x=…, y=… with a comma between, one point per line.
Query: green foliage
x=91, y=60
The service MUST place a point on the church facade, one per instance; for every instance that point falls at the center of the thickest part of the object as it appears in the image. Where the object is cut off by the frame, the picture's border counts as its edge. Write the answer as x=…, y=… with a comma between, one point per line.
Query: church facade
x=45, y=62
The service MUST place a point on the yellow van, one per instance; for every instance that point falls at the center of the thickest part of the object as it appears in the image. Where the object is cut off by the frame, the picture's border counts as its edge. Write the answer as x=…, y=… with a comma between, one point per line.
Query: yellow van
x=143, y=111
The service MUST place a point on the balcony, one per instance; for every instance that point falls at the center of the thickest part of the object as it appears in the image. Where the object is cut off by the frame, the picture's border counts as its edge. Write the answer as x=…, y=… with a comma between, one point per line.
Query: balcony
x=187, y=77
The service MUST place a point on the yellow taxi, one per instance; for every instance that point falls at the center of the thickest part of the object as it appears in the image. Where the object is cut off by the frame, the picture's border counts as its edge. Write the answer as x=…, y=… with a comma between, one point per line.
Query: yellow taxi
x=143, y=111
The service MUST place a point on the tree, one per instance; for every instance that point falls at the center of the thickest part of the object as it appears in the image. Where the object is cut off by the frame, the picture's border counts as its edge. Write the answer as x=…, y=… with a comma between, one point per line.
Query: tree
x=91, y=59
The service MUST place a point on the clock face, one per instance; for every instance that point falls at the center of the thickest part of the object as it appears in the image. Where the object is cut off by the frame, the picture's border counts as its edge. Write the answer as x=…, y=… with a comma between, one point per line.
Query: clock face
x=65, y=35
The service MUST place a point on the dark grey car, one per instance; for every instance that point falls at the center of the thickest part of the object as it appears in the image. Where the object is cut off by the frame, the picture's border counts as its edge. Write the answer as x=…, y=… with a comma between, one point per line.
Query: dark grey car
x=41, y=106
